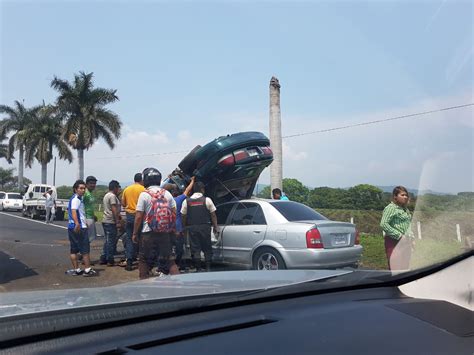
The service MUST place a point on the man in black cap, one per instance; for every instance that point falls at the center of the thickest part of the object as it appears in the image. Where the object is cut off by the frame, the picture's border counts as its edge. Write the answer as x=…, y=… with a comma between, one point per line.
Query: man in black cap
x=89, y=202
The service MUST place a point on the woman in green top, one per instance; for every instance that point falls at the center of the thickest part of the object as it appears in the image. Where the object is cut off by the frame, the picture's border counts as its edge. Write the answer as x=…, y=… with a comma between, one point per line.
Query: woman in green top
x=396, y=223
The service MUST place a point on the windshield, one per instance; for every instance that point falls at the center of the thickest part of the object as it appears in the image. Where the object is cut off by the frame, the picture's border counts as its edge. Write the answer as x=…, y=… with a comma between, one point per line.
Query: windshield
x=293, y=212
x=205, y=137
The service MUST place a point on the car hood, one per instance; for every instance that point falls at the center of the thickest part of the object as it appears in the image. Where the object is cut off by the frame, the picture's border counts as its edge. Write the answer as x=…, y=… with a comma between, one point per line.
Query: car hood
x=168, y=287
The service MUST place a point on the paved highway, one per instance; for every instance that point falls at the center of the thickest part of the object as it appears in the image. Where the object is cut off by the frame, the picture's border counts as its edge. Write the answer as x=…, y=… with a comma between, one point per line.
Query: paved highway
x=35, y=255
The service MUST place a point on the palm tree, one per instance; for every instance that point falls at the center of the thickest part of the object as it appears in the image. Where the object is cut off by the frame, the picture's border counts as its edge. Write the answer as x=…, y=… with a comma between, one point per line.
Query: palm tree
x=87, y=118
x=44, y=133
x=4, y=149
x=17, y=120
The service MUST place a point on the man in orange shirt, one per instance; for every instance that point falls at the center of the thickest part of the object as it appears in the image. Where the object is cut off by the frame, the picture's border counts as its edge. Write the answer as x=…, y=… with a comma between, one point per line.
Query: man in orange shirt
x=129, y=201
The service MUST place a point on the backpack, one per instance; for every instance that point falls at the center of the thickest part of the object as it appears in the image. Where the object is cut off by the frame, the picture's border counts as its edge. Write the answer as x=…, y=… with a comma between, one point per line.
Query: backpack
x=161, y=218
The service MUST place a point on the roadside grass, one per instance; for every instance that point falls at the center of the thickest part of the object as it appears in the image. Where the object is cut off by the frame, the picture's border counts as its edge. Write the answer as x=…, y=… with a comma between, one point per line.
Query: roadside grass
x=427, y=252
x=436, y=225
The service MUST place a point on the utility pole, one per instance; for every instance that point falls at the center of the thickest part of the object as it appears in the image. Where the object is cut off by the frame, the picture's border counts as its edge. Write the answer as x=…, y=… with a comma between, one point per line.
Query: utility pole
x=54, y=172
x=276, y=168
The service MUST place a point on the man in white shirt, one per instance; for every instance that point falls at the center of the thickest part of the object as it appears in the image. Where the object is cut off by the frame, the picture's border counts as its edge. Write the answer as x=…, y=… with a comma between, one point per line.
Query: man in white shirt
x=197, y=214
x=50, y=206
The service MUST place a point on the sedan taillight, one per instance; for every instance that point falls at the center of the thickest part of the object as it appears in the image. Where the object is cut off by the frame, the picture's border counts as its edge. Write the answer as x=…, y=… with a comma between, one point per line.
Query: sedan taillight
x=227, y=160
x=313, y=239
x=357, y=239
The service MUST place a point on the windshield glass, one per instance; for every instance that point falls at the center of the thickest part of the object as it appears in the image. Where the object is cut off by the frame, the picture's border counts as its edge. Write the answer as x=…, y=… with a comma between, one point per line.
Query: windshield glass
x=247, y=136
x=293, y=212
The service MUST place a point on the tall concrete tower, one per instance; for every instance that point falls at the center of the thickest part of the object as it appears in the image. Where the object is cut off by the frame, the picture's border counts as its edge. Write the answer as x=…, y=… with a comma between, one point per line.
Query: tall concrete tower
x=276, y=168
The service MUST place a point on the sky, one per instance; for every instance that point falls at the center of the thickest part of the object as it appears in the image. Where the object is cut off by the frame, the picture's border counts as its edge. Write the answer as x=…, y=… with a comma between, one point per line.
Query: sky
x=188, y=72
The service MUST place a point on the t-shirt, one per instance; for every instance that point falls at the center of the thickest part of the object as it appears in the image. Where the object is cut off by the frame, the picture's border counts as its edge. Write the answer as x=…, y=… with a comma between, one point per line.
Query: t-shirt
x=49, y=203
x=130, y=197
x=89, y=202
x=76, y=203
x=179, y=203
x=144, y=204
x=209, y=204
x=110, y=199
x=284, y=198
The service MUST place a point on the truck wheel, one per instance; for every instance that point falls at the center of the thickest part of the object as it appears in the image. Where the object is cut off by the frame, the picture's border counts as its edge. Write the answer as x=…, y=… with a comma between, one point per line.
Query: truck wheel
x=33, y=213
x=59, y=216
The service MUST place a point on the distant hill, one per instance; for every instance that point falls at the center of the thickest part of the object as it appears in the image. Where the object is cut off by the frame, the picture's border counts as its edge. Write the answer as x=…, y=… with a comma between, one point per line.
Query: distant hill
x=413, y=191
x=389, y=189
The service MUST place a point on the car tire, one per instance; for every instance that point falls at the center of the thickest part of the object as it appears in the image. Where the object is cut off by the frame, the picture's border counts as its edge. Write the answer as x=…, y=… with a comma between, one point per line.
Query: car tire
x=33, y=213
x=59, y=216
x=267, y=259
x=1, y=207
x=189, y=163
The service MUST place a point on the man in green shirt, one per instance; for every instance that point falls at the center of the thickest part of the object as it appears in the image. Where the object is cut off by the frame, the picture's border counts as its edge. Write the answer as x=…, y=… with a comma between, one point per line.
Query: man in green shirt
x=396, y=223
x=89, y=202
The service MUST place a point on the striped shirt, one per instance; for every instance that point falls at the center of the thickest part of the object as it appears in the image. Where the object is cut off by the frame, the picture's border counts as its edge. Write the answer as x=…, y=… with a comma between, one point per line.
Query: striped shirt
x=396, y=221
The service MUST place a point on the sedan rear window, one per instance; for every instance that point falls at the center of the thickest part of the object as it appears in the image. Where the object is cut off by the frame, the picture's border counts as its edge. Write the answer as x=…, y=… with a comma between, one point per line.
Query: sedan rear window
x=14, y=196
x=294, y=211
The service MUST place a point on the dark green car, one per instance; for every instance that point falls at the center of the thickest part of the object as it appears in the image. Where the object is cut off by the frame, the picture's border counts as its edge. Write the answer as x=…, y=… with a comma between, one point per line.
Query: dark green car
x=229, y=166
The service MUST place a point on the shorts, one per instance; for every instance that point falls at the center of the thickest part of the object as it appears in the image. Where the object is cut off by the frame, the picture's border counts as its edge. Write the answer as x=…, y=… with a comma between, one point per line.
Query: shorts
x=79, y=241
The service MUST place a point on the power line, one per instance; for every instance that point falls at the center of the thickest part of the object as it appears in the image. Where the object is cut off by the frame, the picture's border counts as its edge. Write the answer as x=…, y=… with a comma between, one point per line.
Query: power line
x=378, y=121
x=145, y=155
x=315, y=132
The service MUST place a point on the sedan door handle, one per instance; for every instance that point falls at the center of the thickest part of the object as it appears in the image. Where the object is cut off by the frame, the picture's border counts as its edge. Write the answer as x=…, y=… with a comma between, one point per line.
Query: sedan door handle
x=257, y=231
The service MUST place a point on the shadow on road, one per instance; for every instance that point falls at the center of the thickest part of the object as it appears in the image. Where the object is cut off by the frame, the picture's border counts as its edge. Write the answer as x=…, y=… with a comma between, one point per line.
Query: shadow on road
x=12, y=269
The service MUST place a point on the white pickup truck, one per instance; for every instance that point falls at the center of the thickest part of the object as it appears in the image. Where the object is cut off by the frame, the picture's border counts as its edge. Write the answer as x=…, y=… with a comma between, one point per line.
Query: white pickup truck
x=34, y=201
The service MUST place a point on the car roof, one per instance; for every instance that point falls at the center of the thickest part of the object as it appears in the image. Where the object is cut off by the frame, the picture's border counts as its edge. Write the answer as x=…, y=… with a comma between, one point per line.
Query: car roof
x=257, y=199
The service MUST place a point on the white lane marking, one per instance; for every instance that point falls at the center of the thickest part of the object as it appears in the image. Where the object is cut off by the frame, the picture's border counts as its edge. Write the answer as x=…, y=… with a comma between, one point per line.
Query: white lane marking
x=32, y=220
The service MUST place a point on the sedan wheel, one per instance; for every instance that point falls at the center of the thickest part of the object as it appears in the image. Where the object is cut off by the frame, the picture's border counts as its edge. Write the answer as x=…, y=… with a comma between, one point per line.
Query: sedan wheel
x=268, y=259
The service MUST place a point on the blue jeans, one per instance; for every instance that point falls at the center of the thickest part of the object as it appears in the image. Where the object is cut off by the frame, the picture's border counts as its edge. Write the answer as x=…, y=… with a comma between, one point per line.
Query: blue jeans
x=131, y=248
x=110, y=243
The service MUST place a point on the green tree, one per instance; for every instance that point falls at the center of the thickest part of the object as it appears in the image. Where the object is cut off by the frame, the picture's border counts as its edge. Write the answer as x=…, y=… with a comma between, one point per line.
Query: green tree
x=366, y=197
x=45, y=132
x=295, y=190
x=327, y=197
x=18, y=117
x=265, y=192
x=6, y=176
x=87, y=118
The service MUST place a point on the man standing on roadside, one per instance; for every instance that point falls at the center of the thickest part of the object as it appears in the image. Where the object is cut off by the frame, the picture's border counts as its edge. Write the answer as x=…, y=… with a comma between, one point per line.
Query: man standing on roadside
x=77, y=232
x=129, y=202
x=179, y=239
x=197, y=213
x=50, y=206
x=111, y=223
x=89, y=204
x=156, y=208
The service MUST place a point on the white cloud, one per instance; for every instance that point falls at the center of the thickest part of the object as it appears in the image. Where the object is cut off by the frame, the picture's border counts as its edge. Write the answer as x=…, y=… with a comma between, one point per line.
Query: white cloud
x=291, y=154
x=184, y=135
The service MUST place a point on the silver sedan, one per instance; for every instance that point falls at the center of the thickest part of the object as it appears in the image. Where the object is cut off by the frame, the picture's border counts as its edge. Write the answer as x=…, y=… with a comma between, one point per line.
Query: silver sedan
x=276, y=234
